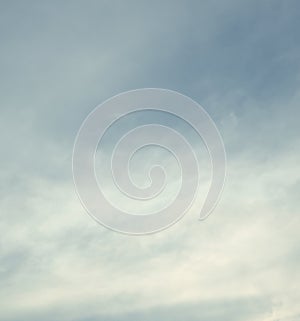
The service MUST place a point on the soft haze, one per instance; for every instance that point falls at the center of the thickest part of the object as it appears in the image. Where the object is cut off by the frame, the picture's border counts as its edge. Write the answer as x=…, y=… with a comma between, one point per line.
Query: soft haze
x=238, y=59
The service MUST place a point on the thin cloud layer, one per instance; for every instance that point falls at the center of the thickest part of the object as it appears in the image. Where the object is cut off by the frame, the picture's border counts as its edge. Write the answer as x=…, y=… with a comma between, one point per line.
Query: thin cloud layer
x=240, y=61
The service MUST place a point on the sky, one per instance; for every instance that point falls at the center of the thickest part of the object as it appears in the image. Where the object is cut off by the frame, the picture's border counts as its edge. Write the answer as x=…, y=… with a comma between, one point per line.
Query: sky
x=238, y=59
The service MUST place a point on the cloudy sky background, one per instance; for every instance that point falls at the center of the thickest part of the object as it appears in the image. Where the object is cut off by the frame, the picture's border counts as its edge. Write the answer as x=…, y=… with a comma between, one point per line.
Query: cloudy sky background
x=239, y=59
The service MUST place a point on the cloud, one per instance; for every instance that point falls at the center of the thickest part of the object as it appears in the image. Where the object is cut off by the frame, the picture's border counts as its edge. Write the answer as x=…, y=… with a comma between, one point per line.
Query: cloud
x=239, y=60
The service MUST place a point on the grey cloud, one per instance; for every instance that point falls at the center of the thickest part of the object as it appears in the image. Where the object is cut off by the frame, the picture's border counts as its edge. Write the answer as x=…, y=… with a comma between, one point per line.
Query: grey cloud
x=240, y=61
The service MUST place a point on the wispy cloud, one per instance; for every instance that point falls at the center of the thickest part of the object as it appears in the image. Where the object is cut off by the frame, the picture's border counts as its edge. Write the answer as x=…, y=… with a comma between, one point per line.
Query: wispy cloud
x=240, y=61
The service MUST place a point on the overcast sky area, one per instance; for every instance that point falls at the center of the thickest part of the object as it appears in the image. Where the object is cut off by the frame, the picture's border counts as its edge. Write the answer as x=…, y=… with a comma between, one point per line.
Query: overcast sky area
x=238, y=59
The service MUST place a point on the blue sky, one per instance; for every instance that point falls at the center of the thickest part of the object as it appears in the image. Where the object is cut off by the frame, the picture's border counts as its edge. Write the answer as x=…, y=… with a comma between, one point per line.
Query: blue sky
x=238, y=59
